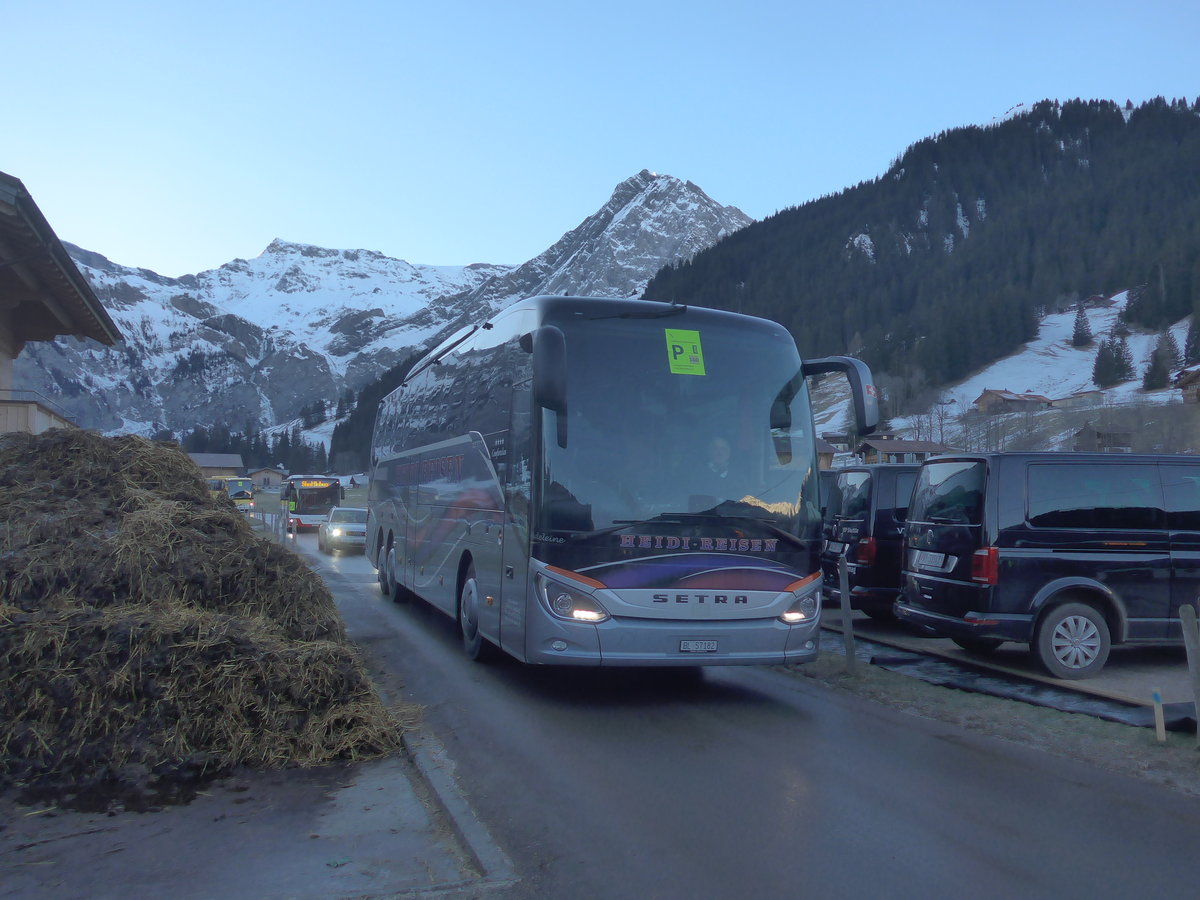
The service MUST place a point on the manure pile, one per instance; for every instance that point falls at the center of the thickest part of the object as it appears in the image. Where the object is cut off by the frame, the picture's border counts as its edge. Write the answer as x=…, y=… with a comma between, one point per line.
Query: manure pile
x=148, y=638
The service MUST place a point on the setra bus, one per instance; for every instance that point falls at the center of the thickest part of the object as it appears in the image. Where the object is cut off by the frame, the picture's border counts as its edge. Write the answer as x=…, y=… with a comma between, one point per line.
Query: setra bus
x=589, y=481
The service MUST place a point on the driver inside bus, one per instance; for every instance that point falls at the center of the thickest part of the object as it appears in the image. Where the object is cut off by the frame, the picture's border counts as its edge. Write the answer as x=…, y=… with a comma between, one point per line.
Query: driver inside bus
x=719, y=455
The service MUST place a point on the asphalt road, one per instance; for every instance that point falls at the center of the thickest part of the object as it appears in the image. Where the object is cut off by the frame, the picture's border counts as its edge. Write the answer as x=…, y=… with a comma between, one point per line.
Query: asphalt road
x=750, y=782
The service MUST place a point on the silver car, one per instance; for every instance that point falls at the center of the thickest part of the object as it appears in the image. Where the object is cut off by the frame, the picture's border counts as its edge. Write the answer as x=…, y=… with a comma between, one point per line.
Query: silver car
x=344, y=527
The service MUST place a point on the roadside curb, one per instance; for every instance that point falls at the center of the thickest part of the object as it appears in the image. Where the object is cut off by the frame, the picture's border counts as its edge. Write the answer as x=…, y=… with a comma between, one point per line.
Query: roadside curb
x=436, y=770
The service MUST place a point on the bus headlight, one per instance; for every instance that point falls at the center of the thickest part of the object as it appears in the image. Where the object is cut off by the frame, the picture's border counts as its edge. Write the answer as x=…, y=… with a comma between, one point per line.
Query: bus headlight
x=804, y=608
x=569, y=603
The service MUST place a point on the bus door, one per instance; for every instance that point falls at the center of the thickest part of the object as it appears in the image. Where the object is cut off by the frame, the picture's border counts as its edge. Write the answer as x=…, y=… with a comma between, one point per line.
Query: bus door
x=515, y=469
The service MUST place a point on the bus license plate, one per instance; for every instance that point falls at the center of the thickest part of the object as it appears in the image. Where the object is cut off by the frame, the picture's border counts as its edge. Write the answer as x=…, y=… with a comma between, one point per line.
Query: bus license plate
x=697, y=646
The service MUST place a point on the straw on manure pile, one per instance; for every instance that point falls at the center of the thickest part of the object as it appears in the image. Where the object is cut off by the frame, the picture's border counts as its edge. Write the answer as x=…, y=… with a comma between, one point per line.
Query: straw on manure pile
x=147, y=635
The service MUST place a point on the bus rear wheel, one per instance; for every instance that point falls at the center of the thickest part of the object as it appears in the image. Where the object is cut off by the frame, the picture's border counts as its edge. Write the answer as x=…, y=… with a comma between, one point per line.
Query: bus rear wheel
x=475, y=644
x=381, y=570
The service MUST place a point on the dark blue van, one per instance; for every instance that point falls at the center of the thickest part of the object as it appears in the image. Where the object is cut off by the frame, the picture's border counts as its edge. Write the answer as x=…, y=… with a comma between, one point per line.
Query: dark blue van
x=865, y=523
x=1067, y=552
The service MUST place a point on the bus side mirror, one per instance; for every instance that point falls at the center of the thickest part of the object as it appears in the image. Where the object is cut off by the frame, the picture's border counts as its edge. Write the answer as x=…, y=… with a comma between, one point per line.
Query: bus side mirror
x=550, y=375
x=862, y=387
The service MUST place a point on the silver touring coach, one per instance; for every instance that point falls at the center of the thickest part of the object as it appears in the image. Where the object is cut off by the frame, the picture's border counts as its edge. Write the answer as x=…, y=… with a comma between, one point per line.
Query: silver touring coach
x=587, y=481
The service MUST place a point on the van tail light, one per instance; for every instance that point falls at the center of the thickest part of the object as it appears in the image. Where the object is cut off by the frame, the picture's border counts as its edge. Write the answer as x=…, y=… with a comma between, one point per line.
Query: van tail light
x=985, y=566
x=865, y=552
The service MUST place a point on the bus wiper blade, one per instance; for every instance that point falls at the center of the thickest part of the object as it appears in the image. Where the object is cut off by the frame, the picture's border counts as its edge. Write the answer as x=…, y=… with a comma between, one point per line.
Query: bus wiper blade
x=622, y=524
x=669, y=518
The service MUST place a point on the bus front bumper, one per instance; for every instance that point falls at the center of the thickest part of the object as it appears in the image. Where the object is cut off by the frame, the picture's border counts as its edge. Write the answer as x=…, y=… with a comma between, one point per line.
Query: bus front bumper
x=653, y=642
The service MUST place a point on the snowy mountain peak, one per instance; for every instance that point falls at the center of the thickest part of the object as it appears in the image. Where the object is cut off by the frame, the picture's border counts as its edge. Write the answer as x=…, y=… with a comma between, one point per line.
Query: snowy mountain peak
x=254, y=341
x=648, y=221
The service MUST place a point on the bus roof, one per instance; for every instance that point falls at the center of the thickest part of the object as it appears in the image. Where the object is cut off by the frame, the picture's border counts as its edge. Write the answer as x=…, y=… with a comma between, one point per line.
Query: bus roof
x=596, y=307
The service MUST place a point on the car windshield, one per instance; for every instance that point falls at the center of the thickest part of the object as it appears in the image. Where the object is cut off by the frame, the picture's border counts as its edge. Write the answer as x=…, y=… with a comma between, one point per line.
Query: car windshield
x=348, y=515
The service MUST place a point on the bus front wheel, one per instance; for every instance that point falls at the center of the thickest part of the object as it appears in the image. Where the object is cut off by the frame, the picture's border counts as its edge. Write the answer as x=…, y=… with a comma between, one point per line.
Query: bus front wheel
x=475, y=644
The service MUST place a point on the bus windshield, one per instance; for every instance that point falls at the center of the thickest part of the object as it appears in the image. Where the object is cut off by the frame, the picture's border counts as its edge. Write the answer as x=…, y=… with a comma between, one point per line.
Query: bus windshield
x=729, y=435
x=239, y=487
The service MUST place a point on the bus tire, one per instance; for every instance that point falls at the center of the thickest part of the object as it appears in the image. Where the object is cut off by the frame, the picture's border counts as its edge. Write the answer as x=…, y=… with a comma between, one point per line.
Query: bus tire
x=477, y=647
x=400, y=594
x=386, y=585
x=380, y=561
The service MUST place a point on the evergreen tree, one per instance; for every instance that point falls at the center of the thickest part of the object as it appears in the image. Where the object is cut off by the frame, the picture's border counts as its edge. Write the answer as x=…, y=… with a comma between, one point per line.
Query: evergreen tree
x=1163, y=361
x=1104, y=370
x=1082, y=335
x=1191, y=347
x=1124, y=359
x=1157, y=374
x=1169, y=347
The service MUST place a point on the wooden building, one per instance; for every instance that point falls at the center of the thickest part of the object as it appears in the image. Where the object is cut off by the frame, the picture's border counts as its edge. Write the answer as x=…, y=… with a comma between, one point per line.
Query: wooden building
x=887, y=448
x=43, y=295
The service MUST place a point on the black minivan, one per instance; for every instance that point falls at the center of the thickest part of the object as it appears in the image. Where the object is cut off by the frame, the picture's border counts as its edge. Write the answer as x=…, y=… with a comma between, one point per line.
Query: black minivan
x=865, y=522
x=1068, y=552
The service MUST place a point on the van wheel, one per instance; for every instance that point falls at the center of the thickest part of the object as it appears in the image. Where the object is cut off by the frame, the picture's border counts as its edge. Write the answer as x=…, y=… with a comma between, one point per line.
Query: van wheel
x=475, y=644
x=1072, y=641
x=978, y=645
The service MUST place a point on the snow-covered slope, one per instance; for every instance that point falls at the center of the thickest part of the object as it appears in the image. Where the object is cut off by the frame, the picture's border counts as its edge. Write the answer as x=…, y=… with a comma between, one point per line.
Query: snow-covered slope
x=1051, y=367
x=1047, y=366
x=252, y=343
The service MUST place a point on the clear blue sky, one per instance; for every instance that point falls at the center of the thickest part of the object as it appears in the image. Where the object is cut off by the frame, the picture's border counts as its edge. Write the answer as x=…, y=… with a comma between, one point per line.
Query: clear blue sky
x=178, y=137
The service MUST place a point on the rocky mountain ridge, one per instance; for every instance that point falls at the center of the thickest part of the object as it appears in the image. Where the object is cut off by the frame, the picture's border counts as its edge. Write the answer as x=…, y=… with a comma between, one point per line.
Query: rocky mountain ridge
x=253, y=342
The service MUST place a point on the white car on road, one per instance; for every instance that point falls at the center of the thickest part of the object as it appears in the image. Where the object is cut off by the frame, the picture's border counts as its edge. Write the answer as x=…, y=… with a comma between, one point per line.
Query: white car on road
x=345, y=527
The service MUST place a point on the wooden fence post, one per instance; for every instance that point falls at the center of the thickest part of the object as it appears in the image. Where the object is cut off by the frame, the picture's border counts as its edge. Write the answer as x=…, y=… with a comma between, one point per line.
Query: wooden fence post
x=847, y=622
x=1191, y=640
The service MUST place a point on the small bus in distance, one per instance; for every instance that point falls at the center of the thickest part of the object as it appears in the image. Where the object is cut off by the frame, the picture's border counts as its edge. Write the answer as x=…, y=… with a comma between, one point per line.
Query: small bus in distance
x=307, y=499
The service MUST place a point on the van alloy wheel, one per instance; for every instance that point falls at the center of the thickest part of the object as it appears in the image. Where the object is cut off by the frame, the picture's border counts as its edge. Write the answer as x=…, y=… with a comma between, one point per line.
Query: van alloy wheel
x=1072, y=641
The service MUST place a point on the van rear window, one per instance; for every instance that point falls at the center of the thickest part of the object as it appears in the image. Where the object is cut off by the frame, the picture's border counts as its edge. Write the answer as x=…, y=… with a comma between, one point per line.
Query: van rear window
x=949, y=493
x=856, y=494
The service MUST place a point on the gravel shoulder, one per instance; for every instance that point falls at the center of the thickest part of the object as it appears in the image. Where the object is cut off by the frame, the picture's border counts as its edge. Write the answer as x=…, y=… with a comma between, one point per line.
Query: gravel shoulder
x=1128, y=750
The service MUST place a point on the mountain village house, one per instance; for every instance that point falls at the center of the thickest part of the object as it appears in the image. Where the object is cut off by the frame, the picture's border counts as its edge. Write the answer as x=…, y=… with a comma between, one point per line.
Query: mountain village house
x=1188, y=381
x=885, y=447
x=42, y=296
x=994, y=401
x=214, y=464
x=1092, y=439
x=825, y=453
x=267, y=477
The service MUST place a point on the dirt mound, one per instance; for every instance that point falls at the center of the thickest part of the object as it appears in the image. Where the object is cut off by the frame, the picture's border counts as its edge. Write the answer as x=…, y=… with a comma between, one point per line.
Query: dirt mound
x=149, y=637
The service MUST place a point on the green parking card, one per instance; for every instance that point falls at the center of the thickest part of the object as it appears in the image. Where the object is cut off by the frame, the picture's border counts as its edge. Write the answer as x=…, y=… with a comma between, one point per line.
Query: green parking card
x=683, y=352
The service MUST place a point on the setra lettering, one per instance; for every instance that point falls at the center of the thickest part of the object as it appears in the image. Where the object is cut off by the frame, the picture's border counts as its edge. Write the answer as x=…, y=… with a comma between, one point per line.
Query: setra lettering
x=726, y=599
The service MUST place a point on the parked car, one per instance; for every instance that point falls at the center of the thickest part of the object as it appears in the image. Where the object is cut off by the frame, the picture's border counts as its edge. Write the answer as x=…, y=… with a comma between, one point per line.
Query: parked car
x=1067, y=552
x=345, y=526
x=865, y=523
